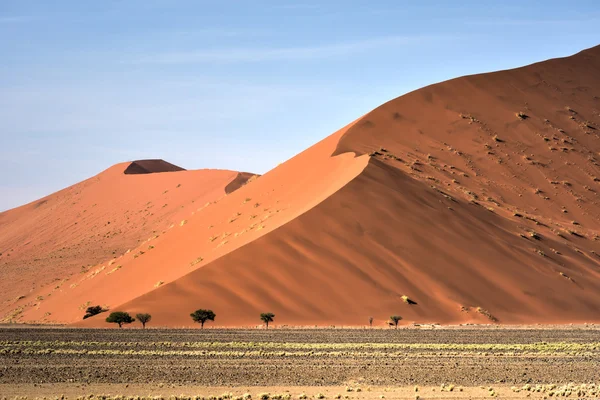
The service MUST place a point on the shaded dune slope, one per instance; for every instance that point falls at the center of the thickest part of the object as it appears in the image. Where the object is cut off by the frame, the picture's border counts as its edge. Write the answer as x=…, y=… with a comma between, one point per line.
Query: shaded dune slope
x=382, y=236
x=240, y=180
x=64, y=234
x=150, y=167
x=475, y=198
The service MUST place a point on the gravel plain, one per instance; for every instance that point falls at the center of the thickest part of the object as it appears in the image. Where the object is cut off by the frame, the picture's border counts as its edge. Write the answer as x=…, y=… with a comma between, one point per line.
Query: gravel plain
x=469, y=357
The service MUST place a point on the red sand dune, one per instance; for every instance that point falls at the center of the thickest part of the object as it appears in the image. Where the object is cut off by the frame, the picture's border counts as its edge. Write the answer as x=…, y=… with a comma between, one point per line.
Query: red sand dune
x=477, y=198
x=57, y=238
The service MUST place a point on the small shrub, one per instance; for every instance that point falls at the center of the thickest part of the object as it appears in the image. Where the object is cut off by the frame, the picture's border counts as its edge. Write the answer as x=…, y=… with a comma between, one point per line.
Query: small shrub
x=266, y=318
x=395, y=319
x=94, y=310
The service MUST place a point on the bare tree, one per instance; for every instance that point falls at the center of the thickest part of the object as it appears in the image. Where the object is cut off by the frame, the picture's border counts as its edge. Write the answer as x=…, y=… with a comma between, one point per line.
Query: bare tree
x=144, y=319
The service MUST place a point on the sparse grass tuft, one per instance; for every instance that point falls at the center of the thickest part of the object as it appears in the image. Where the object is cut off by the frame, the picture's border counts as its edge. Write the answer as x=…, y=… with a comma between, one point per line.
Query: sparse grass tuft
x=487, y=314
x=196, y=261
x=565, y=276
x=534, y=235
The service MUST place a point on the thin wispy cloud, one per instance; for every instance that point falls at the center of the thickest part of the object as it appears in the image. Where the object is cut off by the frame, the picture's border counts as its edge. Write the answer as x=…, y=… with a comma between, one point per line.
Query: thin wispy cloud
x=533, y=22
x=213, y=33
x=250, y=55
x=16, y=19
x=299, y=6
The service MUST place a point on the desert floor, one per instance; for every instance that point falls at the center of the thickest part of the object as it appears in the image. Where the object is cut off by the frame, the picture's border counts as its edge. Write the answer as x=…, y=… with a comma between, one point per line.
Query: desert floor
x=460, y=362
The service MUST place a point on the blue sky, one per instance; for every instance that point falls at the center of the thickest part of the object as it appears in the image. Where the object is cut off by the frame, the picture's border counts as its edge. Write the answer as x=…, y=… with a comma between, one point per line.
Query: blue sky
x=241, y=85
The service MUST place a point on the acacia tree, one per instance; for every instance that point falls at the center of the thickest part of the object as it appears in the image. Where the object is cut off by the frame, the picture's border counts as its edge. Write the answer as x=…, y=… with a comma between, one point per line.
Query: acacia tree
x=395, y=319
x=93, y=310
x=202, y=316
x=267, y=317
x=144, y=319
x=120, y=317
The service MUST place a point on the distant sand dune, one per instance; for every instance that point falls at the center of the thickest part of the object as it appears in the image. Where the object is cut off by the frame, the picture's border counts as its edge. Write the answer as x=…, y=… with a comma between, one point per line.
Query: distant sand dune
x=65, y=234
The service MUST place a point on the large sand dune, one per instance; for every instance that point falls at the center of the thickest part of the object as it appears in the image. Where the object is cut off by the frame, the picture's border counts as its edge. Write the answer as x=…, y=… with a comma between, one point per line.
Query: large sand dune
x=54, y=240
x=475, y=198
